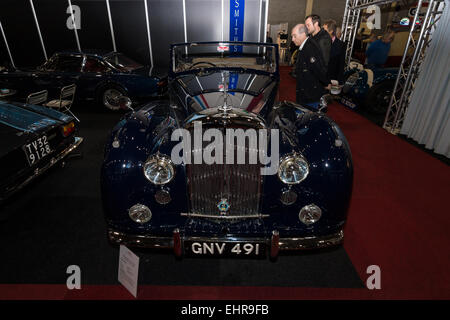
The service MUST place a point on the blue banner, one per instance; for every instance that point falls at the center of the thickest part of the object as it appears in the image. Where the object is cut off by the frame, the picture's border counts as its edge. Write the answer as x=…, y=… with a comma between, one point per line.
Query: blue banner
x=237, y=14
x=233, y=81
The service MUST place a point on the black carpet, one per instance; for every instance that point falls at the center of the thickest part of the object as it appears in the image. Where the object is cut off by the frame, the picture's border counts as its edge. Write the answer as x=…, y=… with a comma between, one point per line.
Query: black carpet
x=58, y=221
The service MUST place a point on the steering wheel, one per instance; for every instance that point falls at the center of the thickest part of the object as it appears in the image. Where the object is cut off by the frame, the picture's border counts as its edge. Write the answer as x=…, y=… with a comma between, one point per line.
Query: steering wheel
x=202, y=62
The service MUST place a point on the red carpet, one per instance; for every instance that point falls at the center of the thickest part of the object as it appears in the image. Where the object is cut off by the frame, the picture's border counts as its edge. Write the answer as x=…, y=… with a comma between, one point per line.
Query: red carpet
x=398, y=216
x=398, y=220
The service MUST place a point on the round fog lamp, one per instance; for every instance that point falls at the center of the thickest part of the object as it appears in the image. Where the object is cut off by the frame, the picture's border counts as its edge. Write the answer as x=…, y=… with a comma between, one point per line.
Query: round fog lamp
x=163, y=197
x=288, y=197
x=310, y=214
x=140, y=213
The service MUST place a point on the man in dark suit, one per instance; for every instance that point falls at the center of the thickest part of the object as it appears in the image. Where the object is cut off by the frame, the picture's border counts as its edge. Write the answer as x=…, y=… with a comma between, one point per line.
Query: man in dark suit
x=337, y=53
x=310, y=68
x=322, y=37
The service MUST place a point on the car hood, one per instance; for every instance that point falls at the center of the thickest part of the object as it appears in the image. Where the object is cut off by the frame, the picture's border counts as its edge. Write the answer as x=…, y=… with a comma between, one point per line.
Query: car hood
x=21, y=122
x=11, y=139
x=30, y=118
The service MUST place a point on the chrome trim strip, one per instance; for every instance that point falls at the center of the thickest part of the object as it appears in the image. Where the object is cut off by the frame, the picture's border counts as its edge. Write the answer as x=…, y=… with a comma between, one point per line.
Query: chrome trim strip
x=222, y=19
x=299, y=243
x=266, y=13
x=7, y=46
x=149, y=37
x=74, y=25
x=39, y=171
x=184, y=26
x=212, y=216
x=311, y=242
x=111, y=26
x=259, y=22
x=38, y=29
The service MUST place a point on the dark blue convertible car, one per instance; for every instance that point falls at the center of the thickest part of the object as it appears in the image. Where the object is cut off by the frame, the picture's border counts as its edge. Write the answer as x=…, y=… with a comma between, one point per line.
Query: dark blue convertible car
x=222, y=168
x=102, y=76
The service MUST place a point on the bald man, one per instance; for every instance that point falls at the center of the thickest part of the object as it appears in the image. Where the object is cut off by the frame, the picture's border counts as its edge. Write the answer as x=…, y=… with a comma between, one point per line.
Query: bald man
x=310, y=68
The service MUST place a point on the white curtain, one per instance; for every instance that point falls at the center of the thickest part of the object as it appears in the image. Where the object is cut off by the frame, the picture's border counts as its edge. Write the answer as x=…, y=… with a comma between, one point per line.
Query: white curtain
x=427, y=118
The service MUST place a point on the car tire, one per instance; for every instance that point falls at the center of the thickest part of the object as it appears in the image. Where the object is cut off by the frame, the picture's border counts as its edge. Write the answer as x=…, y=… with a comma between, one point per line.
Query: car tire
x=108, y=97
x=379, y=96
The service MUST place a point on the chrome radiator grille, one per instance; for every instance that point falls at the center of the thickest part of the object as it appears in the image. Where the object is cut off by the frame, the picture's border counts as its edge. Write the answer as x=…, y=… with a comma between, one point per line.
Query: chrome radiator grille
x=239, y=185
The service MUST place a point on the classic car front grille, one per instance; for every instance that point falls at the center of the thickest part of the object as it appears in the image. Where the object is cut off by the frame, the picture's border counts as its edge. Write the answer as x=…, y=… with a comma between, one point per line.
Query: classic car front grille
x=237, y=185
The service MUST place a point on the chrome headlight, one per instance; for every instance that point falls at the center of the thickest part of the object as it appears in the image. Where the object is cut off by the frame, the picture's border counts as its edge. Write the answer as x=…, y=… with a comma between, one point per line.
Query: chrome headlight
x=293, y=169
x=159, y=169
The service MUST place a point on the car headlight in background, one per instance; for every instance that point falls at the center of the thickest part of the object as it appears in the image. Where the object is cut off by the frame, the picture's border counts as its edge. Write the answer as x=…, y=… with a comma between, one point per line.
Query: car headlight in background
x=293, y=169
x=159, y=169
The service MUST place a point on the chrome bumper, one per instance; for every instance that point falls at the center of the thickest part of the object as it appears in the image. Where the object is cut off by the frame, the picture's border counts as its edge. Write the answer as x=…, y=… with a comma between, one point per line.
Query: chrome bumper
x=274, y=243
x=38, y=171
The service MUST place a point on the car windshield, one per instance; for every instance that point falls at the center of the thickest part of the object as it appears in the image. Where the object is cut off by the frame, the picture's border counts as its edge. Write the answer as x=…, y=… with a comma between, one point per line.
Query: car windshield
x=123, y=63
x=224, y=55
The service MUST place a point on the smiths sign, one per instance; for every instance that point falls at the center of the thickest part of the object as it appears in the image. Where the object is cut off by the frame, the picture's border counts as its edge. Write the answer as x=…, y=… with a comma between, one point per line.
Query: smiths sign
x=237, y=13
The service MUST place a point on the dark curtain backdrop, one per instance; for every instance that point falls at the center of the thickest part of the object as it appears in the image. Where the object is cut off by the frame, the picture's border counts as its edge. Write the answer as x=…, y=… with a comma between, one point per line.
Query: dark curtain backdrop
x=203, y=19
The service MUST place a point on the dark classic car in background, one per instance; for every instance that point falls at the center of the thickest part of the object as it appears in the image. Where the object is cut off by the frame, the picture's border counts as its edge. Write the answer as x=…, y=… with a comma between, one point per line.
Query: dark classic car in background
x=33, y=139
x=226, y=209
x=369, y=88
x=100, y=76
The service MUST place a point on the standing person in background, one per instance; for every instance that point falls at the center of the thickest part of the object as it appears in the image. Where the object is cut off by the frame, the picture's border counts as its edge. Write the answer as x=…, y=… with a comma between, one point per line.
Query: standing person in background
x=309, y=68
x=322, y=37
x=358, y=43
x=336, y=65
x=371, y=38
x=293, y=50
x=378, y=51
x=269, y=38
x=338, y=32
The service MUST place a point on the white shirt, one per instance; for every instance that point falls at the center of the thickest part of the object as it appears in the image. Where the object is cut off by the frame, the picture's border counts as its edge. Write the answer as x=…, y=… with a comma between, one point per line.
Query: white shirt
x=303, y=44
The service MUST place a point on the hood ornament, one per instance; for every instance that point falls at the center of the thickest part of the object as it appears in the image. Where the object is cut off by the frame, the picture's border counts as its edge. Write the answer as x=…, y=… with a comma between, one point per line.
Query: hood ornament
x=225, y=108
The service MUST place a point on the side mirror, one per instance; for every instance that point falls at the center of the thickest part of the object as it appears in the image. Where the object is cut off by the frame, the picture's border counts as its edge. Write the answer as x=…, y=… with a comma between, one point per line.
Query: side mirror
x=324, y=101
x=125, y=103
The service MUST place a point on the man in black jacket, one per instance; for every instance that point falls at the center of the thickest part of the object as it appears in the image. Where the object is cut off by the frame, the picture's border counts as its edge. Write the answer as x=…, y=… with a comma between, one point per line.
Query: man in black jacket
x=337, y=53
x=310, y=68
x=322, y=37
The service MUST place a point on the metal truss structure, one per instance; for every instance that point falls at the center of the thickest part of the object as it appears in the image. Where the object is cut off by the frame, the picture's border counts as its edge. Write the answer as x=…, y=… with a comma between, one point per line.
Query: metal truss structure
x=350, y=22
x=413, y=57
x=418, y=41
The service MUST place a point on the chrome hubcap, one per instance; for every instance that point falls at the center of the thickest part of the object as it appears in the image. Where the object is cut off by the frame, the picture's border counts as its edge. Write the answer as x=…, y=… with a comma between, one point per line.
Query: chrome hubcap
x=111, y=99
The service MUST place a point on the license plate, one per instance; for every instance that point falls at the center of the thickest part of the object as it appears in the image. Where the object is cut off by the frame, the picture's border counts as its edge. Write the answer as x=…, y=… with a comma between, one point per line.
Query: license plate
x=348, y=103
x=226, y=249
x=37, y=149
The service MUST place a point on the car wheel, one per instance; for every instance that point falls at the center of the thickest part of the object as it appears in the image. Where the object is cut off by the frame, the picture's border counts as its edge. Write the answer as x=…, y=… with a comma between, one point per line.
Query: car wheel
x=379, y=96
x=110, y=97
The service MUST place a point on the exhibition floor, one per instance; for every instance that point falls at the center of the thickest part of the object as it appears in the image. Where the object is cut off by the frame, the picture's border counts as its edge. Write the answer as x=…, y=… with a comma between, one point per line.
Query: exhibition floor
x=397, y=221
